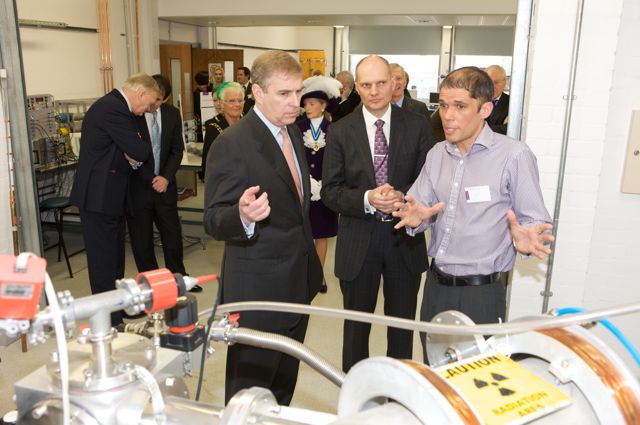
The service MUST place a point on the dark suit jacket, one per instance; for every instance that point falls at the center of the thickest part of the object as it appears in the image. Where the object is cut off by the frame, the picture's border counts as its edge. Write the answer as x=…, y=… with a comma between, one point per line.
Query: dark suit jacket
x=348, y=173
x=279, y=262
x=499, y=114
x=346, y=107
x=415, y=106
x=248, y=99
x=171, y=150
x=109, y=130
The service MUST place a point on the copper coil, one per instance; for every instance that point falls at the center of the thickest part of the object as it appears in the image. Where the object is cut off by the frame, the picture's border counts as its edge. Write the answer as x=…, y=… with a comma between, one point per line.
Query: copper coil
x=610, y=375
x=458, y=404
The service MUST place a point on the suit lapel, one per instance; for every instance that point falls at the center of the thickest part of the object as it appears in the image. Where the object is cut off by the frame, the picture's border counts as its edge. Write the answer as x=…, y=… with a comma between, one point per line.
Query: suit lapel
x=361, y=143
x=396, y=136
x=164, y=132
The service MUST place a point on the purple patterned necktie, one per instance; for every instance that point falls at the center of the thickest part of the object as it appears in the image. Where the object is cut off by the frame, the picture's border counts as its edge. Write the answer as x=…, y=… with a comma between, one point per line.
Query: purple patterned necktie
x=380, y=153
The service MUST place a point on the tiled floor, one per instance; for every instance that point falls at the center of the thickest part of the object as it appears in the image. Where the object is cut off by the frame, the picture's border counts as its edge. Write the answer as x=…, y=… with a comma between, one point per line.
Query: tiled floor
x=324, y=334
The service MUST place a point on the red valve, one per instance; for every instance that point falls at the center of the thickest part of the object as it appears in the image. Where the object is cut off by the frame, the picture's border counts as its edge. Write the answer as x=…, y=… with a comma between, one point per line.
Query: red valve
x=163, y=287
x=233, y=318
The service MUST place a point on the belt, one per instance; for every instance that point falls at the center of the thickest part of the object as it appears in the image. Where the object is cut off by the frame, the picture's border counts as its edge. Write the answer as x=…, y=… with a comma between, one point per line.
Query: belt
x=469, y=280
x=385, y=218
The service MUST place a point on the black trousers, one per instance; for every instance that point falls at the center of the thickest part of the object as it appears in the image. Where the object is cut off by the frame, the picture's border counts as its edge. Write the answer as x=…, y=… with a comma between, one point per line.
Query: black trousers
x=103, y=236
x=400, y=290
x=249, y=366
x=161, y=209
x=483, y=304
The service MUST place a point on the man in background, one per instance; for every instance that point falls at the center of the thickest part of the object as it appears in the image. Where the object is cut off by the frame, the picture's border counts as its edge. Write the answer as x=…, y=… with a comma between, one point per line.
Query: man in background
x=203, y=85
x=372, y=157
x=401, y=80
x=243, y=76
x=257, y=198
x=112, y=147
x=350, y=97
x=154, y=194
x=499, y=117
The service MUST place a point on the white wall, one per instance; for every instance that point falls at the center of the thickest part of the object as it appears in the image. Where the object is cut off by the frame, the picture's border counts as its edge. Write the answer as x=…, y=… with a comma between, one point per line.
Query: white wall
x=614, y=254
x=283, y=38
x=597, y=248
x=177, y=33
x=67, y=63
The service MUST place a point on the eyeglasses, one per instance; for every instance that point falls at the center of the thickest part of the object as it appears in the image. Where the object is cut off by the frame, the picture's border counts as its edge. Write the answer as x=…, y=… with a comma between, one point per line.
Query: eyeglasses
x=234, y=101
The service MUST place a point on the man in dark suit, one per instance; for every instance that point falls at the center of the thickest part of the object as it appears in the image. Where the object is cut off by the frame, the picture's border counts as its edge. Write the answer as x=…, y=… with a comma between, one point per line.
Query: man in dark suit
x=499, y=117
x=243, y=76
x=363, y=176
x=401, y=79
x=257, y=197
x=111, y=148
x=350, y=97
x=154, y=195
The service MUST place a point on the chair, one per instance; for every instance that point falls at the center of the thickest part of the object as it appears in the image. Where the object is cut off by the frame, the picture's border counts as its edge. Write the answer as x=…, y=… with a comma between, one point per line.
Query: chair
x=57, y=206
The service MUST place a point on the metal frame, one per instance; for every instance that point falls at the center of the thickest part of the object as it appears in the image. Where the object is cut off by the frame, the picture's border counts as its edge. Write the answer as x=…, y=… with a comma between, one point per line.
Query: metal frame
x=26, y=195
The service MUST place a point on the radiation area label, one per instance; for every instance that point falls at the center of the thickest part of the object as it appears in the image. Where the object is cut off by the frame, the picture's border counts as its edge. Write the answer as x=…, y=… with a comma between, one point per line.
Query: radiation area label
x=502, y=391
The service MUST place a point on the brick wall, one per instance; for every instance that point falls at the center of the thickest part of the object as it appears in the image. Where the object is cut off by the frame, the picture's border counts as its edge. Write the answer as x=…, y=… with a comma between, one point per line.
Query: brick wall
x=597, y=252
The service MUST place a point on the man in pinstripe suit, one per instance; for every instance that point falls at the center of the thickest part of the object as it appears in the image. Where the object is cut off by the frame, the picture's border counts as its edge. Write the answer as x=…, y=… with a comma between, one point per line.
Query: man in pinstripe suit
x=362, y=184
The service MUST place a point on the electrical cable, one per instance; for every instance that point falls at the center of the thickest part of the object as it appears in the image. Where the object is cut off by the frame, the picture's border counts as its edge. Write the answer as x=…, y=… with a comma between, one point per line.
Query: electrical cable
x=611, y=327
x=206, y=343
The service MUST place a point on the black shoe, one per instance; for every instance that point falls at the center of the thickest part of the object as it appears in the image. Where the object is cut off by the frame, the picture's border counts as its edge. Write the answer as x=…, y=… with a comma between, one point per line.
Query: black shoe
x=196, y=289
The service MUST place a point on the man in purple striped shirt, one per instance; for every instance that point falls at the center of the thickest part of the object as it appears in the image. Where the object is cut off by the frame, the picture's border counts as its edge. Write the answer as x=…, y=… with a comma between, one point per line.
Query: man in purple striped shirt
x=479, y=193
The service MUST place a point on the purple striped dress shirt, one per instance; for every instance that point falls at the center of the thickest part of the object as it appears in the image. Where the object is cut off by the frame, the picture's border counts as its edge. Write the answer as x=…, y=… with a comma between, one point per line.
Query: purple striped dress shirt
x=471, y=235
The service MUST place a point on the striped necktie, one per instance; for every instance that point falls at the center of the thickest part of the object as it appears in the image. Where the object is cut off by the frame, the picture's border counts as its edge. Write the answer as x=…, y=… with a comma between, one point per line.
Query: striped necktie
x=155, y=142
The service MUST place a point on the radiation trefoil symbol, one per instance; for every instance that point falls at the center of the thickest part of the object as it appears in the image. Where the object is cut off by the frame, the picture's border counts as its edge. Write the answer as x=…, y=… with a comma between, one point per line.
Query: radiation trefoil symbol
x=497, y=382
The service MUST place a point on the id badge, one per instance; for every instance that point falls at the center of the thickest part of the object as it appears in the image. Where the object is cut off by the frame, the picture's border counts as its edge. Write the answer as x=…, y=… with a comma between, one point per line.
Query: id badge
x=476, y=194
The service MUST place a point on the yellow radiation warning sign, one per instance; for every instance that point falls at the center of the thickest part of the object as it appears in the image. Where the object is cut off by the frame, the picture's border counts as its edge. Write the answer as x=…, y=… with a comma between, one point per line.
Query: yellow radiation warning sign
x=502, y=391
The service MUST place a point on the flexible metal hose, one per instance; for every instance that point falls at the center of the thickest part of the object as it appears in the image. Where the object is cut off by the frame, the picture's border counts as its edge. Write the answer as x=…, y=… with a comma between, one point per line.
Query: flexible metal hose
x=285, y=345
x=517, y=326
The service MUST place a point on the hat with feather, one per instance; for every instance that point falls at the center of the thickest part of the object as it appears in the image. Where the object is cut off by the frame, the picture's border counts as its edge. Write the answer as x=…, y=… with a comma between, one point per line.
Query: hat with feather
x=324, y=88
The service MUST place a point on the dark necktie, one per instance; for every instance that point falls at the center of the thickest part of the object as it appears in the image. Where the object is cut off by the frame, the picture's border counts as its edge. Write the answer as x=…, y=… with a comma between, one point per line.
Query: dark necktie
x=380, y=154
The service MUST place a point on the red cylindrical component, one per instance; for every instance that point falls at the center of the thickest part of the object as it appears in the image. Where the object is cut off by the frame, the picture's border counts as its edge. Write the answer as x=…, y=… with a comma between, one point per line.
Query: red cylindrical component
x=164, y=290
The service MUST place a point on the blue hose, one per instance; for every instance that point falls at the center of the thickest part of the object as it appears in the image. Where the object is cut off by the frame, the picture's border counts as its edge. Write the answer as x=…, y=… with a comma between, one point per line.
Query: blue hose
x=612, y=328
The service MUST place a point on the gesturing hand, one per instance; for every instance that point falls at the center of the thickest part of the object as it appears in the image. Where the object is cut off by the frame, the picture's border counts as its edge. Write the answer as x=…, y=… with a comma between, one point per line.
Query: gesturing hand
x=412, y=213
x=530, y=240
x=253, y=209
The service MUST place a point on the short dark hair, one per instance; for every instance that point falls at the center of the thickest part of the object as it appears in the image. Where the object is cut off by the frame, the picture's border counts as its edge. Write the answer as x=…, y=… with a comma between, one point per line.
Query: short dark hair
x=245, y=70
x=164, y=84
x=202, y=78
x=472, y=79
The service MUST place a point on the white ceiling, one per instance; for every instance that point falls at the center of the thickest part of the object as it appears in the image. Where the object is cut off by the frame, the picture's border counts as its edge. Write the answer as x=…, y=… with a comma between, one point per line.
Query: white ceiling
x=350, y=20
